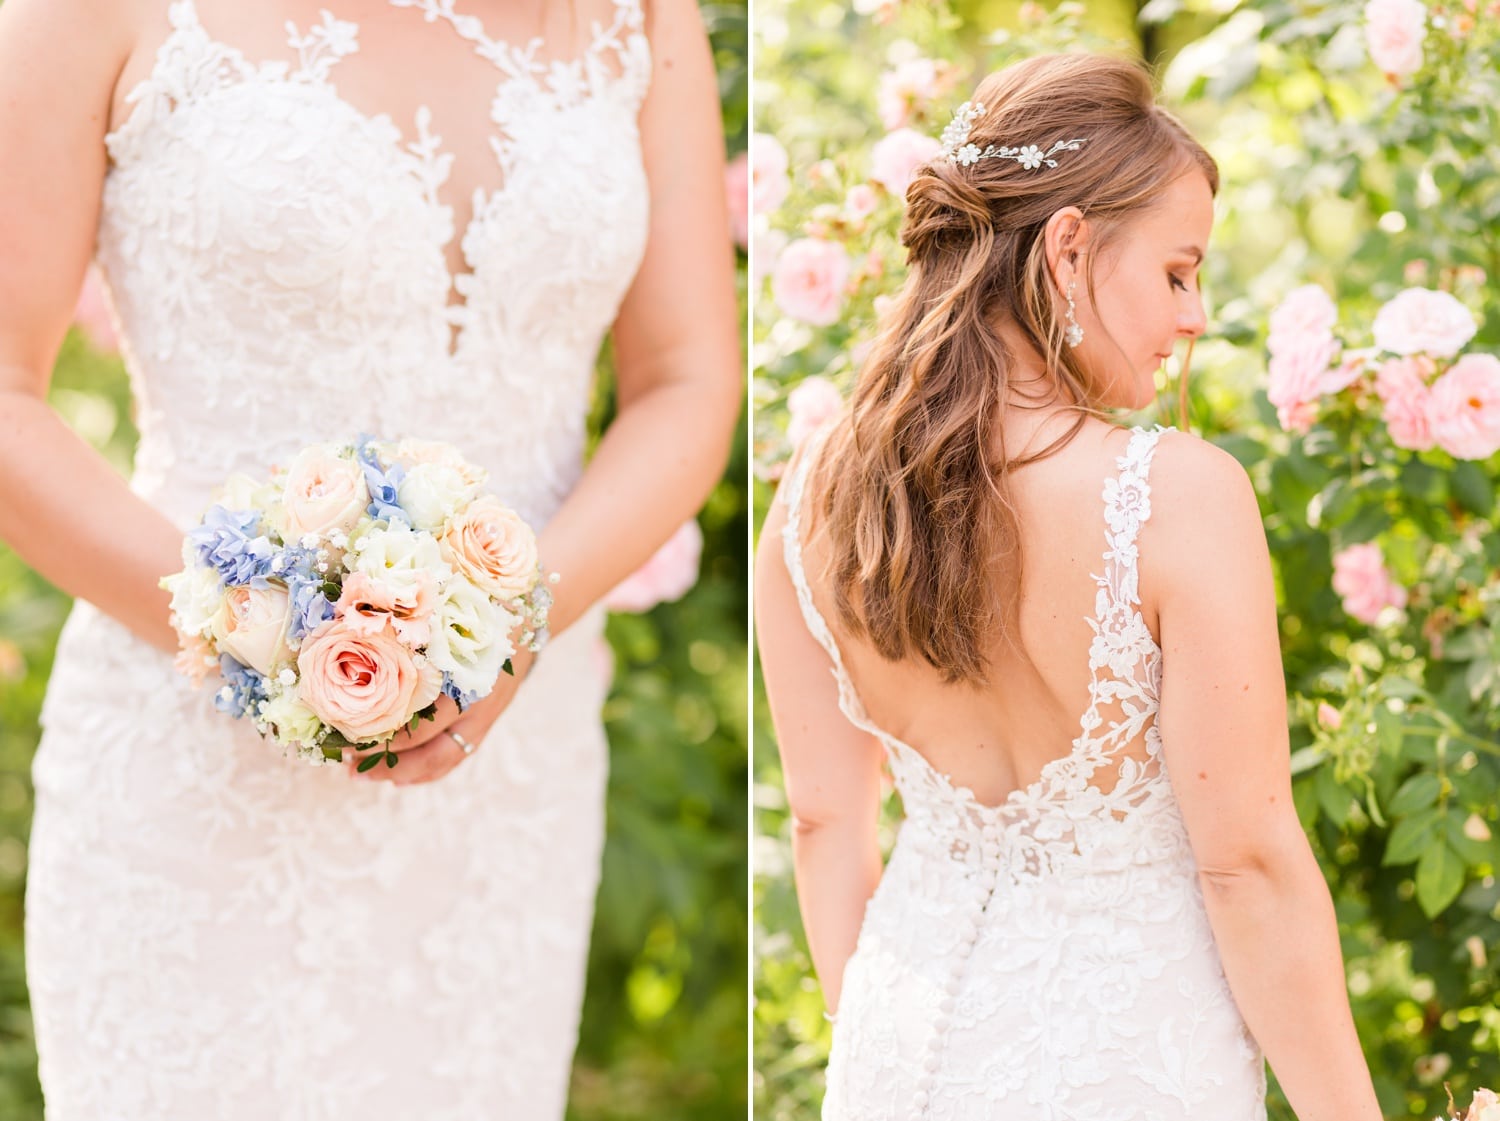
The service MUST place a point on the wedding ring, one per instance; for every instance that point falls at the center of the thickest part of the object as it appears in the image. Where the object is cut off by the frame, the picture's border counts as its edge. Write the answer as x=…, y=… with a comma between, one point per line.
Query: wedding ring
x=468, y=748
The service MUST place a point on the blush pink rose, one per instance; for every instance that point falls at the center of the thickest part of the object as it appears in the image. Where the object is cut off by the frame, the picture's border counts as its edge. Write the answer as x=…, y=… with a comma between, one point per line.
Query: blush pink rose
x=367, y=605
x=737, y=194
x=1345, y=373
x=808, y=281
x=810, y=405
x=668, y=575
x=93, y=314
x=897, y=156
x=251, y=626
x=493, y=547
x=861, y=201
x=1464, y=409
x=1401, y=384
x=1308, y=310
x=769, y=180
x=365, y=685
x=323, y=493
x=1422, y=321
x=1296, y=376
x=906, y=89
x=1362, y=580
x=1394, y=30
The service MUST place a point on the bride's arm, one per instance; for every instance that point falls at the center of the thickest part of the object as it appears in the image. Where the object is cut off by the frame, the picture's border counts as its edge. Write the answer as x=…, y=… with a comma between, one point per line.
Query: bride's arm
x=831, y=769
x=64, y=509
x=1224, y=736
x=676, y=339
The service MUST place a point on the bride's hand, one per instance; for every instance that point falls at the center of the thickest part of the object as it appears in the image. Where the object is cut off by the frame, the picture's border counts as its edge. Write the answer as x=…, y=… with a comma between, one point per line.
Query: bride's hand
x=431, y=752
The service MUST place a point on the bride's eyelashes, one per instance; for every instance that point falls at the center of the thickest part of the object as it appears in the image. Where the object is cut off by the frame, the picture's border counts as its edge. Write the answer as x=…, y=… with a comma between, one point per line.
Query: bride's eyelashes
x=1177, y=282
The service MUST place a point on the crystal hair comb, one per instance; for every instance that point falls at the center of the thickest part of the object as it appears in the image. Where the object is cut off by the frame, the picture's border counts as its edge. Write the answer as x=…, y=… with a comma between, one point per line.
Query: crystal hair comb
x=957, y=148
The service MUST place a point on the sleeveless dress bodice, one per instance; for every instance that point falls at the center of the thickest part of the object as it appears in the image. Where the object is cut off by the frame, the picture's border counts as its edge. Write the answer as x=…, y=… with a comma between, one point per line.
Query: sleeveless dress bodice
x=1047, y=958
x=214, y=930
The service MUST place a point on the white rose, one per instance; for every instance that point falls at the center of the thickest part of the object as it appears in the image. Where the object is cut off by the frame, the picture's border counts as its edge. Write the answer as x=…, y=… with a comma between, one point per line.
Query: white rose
x=323, y=493
x=397, y=555
x=197, y=596
x=432, y=493
x=471, y=637
x=1421, y=321
x=293, y=722
x=251, y=626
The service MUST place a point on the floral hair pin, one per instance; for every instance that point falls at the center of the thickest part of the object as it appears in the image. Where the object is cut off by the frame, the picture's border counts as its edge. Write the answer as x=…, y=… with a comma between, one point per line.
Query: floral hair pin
x=957, y=148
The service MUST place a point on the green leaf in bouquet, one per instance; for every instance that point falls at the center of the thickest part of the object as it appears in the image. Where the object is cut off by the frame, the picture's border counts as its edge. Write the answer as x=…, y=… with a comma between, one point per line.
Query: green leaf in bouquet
x=1417, y=793
x=367, y=763
x=508, y=668
x=1440, y=877
x=416, y=718
x=1411, y=837
x=390, y=759
x=335, y=753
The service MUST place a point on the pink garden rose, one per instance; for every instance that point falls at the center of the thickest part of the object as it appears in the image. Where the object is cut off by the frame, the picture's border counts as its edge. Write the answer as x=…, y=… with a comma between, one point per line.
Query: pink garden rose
x=367, y=605
x=770, y=182
x=1361, y=578
x=323, y=493
x=1401, y=383
x=1394, y=30
x=737, y=194
x=1464, y=409
x=808, y=281
x=906, y=89
x=861, y=201
x=490, y=544
x=364, y=685
x=1307, y=310
x=810, y=404
x=1296, y=377
x=251, y=626
x=668, y=575
x=1422, y=321
x=896, y=157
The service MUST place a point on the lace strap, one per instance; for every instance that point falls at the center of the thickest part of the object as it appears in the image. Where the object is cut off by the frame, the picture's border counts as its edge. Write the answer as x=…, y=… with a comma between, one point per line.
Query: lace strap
x=1127, y=506
x=791, y=540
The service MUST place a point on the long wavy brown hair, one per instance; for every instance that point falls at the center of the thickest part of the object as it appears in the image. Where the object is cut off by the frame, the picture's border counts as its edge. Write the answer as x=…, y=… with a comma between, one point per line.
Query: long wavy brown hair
x=912, y=483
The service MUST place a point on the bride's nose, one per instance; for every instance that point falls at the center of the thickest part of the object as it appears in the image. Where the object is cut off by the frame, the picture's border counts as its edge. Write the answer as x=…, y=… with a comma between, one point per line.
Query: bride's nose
x=1192, y=320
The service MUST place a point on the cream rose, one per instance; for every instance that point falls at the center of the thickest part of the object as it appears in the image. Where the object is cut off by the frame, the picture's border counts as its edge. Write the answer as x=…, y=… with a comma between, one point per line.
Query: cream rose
x=251, y=626
x=493, y=547
x=292, y=722
x=323, y=493
x=432, y=493
x=365, y=685
x=197, y=596
x=471, y=637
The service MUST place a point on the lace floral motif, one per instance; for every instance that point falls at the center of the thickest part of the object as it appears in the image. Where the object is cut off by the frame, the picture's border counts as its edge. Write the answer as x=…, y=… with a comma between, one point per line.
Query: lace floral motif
x=216, y=932
x=1047, y=957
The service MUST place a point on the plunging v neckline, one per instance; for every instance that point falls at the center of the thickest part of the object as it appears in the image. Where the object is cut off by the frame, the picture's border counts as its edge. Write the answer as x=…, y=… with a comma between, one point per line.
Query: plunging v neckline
x=412, y=158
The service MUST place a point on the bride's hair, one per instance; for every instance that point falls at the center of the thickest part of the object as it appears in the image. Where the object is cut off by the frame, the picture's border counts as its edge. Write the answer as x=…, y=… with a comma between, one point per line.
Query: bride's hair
x=925, y=547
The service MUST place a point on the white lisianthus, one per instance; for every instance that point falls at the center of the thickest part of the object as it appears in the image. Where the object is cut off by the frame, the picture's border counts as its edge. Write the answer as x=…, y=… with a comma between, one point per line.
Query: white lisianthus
x=470, y=637
x=397, y=555
x=432, y=493
x=196, y=598
x=294, y=723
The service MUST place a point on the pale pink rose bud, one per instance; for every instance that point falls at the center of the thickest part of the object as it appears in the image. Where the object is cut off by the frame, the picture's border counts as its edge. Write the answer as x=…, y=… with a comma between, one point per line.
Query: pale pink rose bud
x=251, y=626
x=365, y=685
x=808, y=281
x=1464, y=409
x=1394, y=30
x=861, y=201
x=1330, y=717
x=93, y=314
x=1365, y=585
x=668, y=575
x=1422, y=321
x=769, y=180
x=810, y=405
x=737, y=194
x=897, y=156
x=1308, y=310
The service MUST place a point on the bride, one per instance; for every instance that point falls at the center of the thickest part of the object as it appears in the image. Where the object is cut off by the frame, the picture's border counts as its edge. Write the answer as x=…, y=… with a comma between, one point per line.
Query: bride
x=1061, y=636
x=400, y=217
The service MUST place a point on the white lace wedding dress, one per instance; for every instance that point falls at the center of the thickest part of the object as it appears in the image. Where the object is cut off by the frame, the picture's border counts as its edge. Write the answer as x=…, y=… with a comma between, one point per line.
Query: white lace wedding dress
x=215, y=932
x=1049, y=958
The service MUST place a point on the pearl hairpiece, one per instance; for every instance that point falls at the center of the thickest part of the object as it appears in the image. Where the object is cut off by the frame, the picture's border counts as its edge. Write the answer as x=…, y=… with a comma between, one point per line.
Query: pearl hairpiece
x=957, y=148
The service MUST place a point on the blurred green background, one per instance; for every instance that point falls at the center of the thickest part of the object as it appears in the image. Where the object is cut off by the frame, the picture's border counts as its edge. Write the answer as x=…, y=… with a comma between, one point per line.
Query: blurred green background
x=664, y=1022
x=1333, y=173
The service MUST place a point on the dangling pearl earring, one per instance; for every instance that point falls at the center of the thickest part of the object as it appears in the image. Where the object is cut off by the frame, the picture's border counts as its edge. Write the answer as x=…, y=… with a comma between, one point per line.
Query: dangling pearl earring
x=1074, y=333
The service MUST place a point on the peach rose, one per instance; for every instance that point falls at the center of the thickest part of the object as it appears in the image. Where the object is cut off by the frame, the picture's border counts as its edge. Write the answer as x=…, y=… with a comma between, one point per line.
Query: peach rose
x=251, y=626
x=493, y=547
x=1361, y=578
x=896, y=157
x=366, y=605
x=1394, y=30
x=367, y=686
x=1464, y=409
x=324, y=493
x=808, y=282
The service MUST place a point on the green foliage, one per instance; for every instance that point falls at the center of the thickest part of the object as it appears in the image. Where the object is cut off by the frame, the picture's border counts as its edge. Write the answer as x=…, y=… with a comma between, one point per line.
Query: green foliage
x=1331, y=174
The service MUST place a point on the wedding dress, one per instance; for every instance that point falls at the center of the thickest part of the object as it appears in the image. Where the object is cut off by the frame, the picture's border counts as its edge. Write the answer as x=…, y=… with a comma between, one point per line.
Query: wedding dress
x=215, y=932
x=1048, y=958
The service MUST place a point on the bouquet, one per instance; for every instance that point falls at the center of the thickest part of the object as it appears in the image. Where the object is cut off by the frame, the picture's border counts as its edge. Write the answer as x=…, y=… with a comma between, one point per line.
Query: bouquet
x=343, y=596
x=1484, y=1107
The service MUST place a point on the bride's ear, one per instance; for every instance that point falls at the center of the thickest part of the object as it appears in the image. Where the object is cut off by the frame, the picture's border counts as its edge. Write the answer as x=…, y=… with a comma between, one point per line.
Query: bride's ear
x=1067, y=238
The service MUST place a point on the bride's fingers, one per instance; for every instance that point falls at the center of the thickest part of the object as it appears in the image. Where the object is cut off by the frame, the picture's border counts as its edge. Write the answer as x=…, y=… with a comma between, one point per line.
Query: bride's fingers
x=426, y=763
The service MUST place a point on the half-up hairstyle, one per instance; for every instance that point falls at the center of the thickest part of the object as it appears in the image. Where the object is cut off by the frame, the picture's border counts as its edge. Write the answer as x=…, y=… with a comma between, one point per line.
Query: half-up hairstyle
x=925, y=552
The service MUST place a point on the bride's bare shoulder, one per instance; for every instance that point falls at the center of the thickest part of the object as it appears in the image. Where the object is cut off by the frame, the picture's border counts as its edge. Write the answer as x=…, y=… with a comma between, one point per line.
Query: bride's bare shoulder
x=1203, y=507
